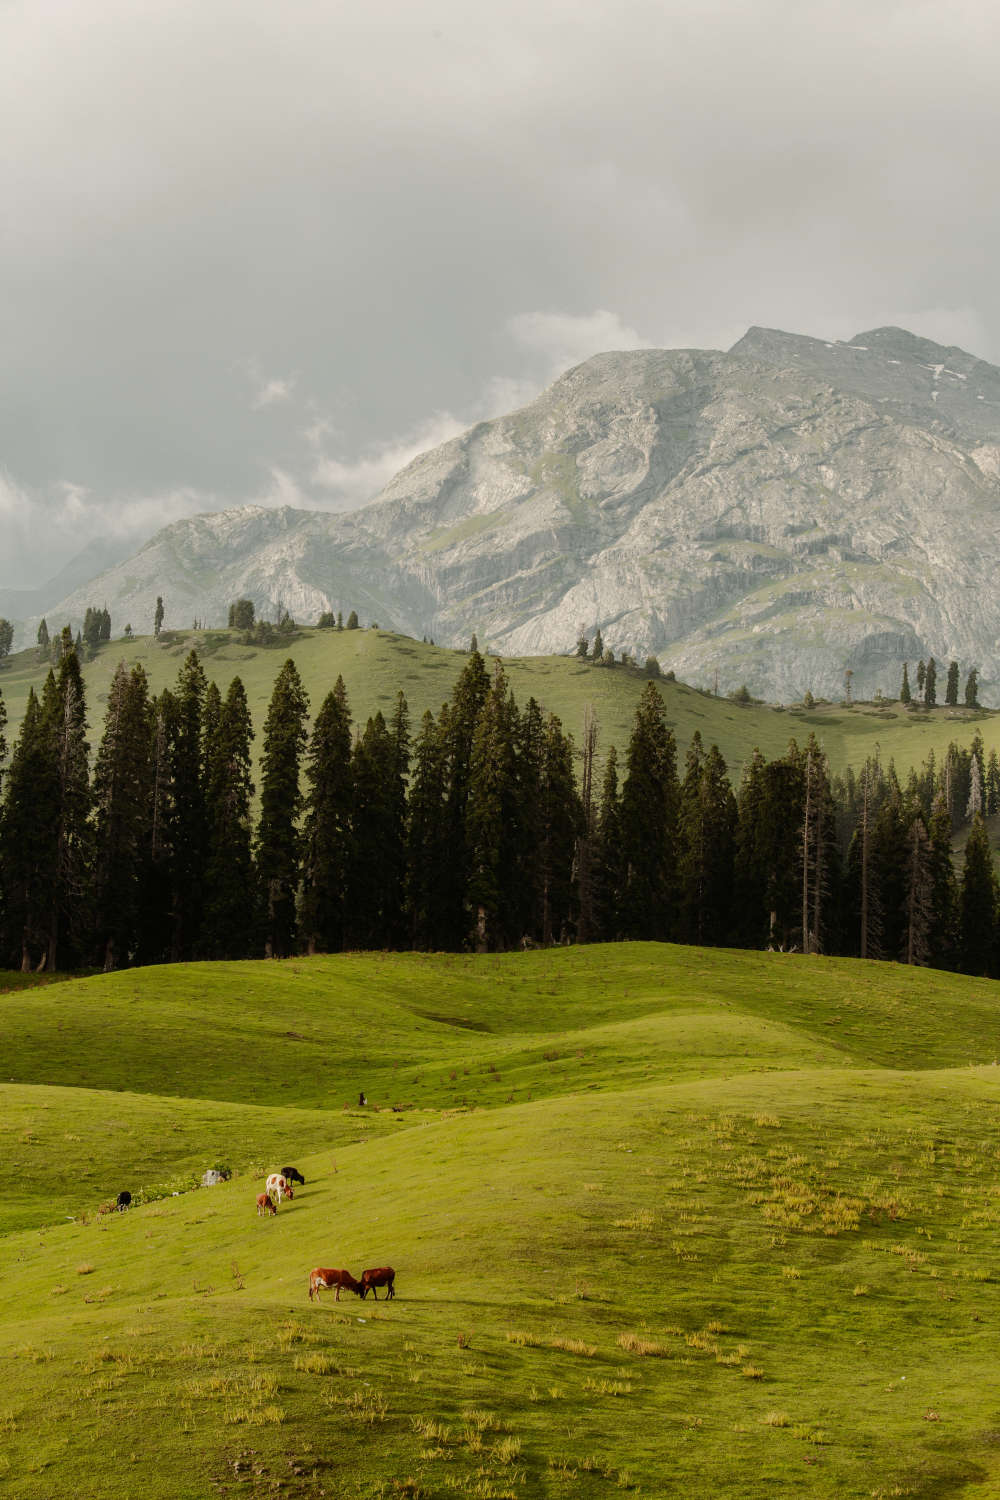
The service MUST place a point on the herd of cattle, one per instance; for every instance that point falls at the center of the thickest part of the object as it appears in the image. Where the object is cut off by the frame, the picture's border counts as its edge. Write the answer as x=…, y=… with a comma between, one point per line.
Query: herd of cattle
x=279, y=1186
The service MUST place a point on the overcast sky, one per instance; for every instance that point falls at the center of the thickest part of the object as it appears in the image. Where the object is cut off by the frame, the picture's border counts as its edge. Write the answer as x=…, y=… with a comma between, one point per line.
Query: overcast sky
x=268, y=251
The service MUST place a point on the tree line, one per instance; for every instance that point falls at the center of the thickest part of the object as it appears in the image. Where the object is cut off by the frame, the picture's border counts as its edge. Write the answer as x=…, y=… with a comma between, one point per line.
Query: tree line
x=484, y=828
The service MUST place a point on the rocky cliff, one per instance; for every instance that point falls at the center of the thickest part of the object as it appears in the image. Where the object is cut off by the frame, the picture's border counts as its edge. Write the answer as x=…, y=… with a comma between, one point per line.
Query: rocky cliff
x=775, y=515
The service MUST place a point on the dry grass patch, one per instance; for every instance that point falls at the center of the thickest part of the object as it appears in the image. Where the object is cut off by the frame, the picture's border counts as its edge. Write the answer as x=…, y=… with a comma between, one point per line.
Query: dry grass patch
x=634, y=1343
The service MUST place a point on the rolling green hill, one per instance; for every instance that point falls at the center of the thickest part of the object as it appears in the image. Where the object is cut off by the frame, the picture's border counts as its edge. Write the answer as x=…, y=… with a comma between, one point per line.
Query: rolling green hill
x=377, y=664
x=664, y=1221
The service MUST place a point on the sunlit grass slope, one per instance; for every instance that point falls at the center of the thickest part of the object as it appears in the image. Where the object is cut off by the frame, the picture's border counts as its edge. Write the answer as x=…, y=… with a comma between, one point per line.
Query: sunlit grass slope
x=377, y=664
x=665, y=1222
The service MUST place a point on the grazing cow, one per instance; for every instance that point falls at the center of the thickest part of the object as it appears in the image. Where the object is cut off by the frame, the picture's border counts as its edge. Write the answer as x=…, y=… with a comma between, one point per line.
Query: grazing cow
x=279, y=1186
x=124, y=1199
x=293, y=1174
x=266, y=1205
x=378, y=1276
x=322, y=1276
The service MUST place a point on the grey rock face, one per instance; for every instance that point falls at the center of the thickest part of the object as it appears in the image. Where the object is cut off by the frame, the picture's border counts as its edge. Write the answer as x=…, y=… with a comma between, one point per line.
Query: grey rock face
x=776, y=515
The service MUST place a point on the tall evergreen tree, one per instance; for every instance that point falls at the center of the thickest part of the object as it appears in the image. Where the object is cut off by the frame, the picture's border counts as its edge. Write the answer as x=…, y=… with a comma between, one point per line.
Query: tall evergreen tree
x=28, y=839
x=905, y=696
x=942, y=936
x=707, y=839
x=586, y=846
x=978, y=906
x=921, y=677
x=428, y=847
x=278, y=839
x=919, y=894
x=609, y=873
x=492, y=818
x=228, y=926
x=972, y=689
x=187, y=827
x=930, y=683
x=649, y=822
x=43, y=637
x=376, y=877
x=951, y=687
x=459, y=727
x=327, y=828
x=158, y=616
x=64, y=712
x=123, y=788
x=561, y=825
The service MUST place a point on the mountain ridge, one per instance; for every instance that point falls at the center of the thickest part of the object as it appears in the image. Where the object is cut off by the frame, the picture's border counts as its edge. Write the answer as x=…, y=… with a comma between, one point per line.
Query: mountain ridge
x=778, y=515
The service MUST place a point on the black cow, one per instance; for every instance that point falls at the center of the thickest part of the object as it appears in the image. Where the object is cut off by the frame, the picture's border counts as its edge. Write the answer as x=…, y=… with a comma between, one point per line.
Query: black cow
x=124, y=1199
x=293, y=1175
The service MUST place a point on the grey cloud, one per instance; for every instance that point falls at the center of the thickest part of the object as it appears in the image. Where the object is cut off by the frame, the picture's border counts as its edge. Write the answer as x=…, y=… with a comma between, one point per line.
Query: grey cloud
x=373, y=207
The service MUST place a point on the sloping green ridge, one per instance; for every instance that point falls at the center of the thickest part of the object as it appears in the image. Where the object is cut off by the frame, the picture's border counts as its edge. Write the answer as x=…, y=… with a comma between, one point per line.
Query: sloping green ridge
x=317, y=1032
x=377, y=664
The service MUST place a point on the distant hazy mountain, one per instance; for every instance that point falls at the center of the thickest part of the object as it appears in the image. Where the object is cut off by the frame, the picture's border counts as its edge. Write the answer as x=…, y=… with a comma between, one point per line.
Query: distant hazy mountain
x=773, y=515
x=94, y=559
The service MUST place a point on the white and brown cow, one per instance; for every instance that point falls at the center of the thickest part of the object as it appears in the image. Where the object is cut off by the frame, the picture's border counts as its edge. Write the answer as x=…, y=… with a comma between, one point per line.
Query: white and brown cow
x=278, y=1186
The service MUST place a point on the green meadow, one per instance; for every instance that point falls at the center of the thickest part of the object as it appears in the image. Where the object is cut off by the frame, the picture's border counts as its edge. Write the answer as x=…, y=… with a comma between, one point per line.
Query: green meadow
x=377, y=664
x=665, y=1221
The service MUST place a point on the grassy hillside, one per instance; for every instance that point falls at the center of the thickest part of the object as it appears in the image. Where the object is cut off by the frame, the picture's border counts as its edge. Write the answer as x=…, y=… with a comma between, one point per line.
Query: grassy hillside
x=375, y=665
x=664, y=1220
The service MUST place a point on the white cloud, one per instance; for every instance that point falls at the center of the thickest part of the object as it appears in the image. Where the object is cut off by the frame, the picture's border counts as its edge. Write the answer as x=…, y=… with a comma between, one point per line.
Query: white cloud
x=553, y=341
x=566, y=339
x=273, y=393
x=353, y=482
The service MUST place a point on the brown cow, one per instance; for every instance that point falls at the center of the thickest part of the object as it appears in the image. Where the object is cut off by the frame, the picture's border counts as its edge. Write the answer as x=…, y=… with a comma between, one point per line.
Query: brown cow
x=378, y=1276
x=324, y=1277
x=266, y=1204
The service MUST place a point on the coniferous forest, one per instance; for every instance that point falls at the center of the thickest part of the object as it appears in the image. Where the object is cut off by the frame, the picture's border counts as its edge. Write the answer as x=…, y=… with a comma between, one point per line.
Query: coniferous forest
x=484, y=828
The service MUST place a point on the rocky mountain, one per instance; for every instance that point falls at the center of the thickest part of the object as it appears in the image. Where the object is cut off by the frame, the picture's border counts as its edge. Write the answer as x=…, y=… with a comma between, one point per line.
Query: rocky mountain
x=776, y=515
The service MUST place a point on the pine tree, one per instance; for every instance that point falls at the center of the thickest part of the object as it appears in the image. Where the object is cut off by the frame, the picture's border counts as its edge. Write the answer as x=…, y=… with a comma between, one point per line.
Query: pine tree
x=609, y=875
x=65, y=715
x=707, y=843
x=156, y=916
x=187, y=827
x=278, y=851
x=921, y=677
x=972, y=689
x=228, y=926
x=6, y=638
x=43, y=638
x=459, y=727
x=327, y=827
x=352, y=620
x=597, y=654
x=905, y=696
x=974, y=807
x=586, y=845
x=942, y=935
x=818, y=848
x=649, y=822
x=428, y=848
x=919, y=894
x=582, y=646
x=930, y=684
x=3, y=746
x=122, y=811
x=951, y=688
x=992, y=784
x=978, y=906
x=376, y=877
x=561, y=824
x=491, y=817
x=28, y=840
x=158, y=616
